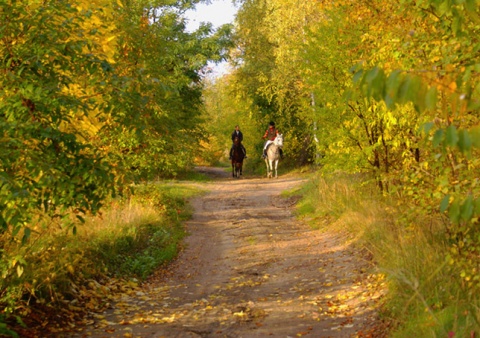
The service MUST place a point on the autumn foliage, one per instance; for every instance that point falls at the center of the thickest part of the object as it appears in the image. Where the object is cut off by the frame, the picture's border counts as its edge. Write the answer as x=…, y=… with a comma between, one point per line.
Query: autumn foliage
x=387, y=89
x=94, y=95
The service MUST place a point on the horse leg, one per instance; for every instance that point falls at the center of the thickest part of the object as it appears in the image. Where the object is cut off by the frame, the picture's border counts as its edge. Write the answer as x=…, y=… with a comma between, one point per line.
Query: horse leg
x=276, y=166
x=237, y=169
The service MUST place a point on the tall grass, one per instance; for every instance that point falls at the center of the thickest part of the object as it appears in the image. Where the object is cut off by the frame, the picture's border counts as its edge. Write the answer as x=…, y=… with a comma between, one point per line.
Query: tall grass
x=131, y=238
x=425, y=296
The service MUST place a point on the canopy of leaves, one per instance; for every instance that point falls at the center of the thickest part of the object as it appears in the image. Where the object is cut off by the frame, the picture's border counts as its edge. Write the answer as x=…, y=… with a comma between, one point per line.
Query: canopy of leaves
x=91, y=90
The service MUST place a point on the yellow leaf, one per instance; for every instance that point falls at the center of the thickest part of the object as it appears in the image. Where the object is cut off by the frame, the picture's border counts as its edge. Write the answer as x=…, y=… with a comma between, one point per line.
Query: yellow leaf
x=19, y=270
x=132, y=284
x=452, y=86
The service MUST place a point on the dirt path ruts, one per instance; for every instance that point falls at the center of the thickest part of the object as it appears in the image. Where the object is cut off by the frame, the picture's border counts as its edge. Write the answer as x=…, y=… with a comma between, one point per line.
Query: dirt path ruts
x=250, y=270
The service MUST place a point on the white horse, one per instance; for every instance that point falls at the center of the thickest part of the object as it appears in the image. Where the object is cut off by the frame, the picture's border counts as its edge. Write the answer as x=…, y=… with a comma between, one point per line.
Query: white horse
x=273, y=155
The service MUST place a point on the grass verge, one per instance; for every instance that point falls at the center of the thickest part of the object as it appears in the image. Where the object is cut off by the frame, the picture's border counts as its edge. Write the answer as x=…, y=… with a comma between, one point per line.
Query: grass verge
x=425, y=296
x=56, y=277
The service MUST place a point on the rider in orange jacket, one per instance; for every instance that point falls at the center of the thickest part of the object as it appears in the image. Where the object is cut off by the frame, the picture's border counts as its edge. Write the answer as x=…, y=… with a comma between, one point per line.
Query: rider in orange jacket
x=270, y=135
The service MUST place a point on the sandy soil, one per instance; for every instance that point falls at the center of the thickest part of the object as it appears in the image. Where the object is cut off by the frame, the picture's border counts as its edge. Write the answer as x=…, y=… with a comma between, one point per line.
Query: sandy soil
x=250, y=269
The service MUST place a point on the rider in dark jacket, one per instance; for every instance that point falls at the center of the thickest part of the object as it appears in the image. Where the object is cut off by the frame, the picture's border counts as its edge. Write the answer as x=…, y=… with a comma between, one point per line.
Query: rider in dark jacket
x=239, y=134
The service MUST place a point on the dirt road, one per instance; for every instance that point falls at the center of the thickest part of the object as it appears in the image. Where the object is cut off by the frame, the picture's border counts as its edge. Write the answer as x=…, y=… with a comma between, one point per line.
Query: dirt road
x=250, y=270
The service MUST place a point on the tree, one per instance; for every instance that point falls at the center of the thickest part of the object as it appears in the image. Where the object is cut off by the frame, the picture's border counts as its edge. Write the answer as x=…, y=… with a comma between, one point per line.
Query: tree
x=436, y=70
x=163, y=64
x=50, y=67
x=91, y=90
x=268, y=68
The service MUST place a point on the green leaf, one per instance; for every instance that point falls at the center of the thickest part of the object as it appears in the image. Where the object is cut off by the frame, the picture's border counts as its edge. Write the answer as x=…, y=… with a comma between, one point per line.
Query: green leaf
x=454, y=212
x=464, y=141
x=443, y=8
x=375, y=79
x=437, y=137
x=475, y=137
x=392, y=84
x=477, y=206
x=409, y=89
x=426, y=127
x=451, y=136
x=471, y=5
x=26, y=235
x=466, y=209
x=444, y=204
x=457, y=24
x=16, y=229
x=431, y=98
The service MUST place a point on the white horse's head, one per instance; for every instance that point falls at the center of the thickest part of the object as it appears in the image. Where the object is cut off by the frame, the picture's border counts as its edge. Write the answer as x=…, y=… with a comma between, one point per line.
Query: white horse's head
x=278, y=140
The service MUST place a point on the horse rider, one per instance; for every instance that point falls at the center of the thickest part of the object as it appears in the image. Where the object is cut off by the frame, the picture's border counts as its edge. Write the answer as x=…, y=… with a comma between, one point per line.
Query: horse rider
x=270, y=135
x=239, y=134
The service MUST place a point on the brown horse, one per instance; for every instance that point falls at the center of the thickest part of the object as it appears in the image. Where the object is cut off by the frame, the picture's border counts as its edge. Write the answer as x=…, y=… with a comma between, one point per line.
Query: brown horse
x=237, y=158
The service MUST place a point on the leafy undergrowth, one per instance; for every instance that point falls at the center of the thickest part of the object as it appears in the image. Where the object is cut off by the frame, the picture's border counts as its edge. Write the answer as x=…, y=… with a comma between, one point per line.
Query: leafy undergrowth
x=53, y=280
x=425, y=294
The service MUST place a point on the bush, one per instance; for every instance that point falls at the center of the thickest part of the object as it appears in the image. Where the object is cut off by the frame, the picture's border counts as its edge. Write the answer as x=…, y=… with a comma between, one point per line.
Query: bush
x=130, y=239
x=426, y=296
